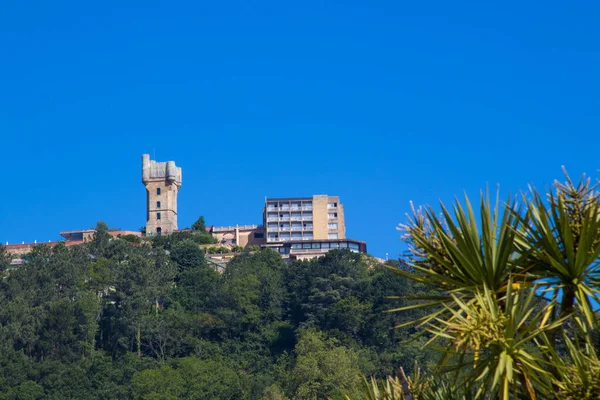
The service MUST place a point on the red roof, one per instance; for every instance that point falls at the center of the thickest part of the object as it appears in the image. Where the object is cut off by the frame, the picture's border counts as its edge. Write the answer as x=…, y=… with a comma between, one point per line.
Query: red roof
x=32, y=245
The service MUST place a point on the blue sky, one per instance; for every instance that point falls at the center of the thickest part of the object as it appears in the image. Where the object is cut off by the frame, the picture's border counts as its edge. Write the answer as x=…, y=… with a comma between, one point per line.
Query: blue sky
x=379, y=102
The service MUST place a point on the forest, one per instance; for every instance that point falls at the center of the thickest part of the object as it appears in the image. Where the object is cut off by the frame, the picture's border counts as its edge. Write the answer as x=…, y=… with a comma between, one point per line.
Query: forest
x=116, y=319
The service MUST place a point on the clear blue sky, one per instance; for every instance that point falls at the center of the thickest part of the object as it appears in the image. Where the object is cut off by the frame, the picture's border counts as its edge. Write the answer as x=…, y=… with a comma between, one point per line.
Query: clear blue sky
x=379, y=102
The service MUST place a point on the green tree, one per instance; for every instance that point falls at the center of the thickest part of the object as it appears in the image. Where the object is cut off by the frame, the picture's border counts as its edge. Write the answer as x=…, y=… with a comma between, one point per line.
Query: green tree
x=163, y=383
x=323, y=368
x=29, y=390
x=101, y=237
x=252, y=290
x=210, y=379
x=329, y=292
x=199, y=225
x=187, y=255
x=131, y=238
x=5, y=258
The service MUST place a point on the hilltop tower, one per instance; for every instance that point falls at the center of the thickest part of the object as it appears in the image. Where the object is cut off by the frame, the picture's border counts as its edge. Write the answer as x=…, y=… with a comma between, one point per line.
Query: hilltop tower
x=162, y=181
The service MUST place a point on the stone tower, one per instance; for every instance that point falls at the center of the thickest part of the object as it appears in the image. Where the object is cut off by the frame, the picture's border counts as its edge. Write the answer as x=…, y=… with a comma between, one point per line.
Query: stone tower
x=162, y=181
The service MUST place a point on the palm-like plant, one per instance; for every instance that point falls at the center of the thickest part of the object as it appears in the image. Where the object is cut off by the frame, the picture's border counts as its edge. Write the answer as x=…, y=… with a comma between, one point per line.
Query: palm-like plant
x=580, y=379
x=561, y=245
x=417, y=386
x=452, y=255
x=495, y=334
x=549, y=245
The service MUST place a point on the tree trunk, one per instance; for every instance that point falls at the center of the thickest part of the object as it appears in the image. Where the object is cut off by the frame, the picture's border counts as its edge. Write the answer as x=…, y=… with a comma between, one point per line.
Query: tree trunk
x=568, y=301
x=139, y=342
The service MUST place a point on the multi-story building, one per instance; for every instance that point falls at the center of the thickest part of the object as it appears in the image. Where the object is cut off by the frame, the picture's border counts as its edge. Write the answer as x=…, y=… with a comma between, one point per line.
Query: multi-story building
x=307, y=227
x=319, y=217
x=162, y=181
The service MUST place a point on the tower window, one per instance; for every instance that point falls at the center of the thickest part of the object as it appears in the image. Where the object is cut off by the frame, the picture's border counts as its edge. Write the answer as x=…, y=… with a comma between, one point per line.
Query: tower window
x=157, y=215
x=158, y=191
x=158, y=204
x=159, y=230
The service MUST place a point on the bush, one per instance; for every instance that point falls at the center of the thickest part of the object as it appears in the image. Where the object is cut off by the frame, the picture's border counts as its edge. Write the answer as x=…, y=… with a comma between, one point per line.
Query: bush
x=131, y=238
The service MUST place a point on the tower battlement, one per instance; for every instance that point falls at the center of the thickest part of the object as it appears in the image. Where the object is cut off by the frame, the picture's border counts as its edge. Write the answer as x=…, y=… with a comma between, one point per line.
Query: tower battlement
x=162, y=181
x=154, y=170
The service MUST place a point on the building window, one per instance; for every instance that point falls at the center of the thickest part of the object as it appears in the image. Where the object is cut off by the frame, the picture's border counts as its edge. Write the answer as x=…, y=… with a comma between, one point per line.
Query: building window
x=157, y=215
x=306, y=246
x=159, y=230
x=332, y=215
x=332, y=236
x=259, y=235
x=333, y=225
x=158, y=205
x=331, y=205
x=158, y=191
x=316, y=245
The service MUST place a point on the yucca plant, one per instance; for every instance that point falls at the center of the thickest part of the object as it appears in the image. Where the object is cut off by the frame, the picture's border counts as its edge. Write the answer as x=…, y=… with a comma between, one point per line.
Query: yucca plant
x=454, y=256
x=560, y=245
x=388, y=389
x=508, y=286
x=580, y=378
x=495, y=334
x=417, y=386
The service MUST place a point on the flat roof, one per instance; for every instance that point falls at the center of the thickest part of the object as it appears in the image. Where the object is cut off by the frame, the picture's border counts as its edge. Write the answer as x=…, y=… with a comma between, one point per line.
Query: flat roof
x=67, y=234
x=287, y=198
x=317, y=241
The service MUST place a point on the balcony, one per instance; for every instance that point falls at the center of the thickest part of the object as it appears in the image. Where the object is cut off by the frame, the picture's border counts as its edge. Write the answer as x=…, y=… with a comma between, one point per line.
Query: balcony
x=308, y=228
x=272, y=219
x=307, y=218
x=284, y=218
x=306, y=208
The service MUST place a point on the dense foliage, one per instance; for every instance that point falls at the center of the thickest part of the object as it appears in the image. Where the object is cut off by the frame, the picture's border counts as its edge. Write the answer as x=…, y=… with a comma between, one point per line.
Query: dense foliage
x=113, y=319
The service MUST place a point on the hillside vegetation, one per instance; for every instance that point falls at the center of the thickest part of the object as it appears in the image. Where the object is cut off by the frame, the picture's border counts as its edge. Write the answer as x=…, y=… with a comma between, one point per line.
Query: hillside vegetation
x=115, y=320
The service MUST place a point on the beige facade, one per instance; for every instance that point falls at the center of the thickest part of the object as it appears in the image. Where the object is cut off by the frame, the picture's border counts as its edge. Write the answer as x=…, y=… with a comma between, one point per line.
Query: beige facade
x=240, y=235
x=319, y=217
x=162, y=181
